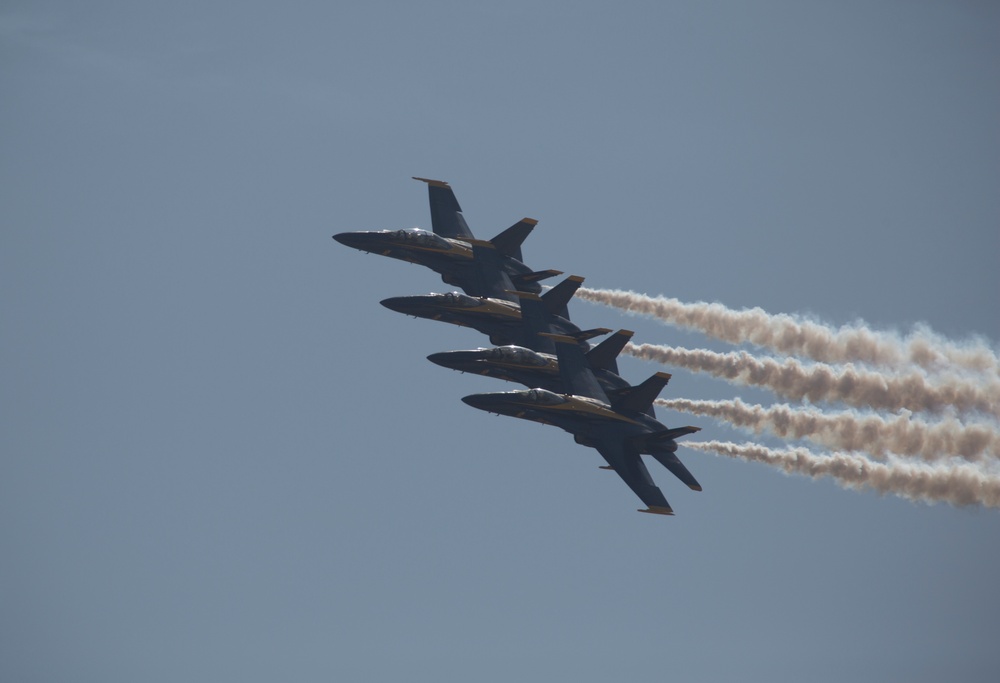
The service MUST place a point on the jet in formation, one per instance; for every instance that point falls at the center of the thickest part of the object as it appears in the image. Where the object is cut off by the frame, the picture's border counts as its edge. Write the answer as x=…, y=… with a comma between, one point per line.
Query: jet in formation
x=449, y=249
x=571, y=384
x=541, y=370
x=504, y=322
x=620, y=433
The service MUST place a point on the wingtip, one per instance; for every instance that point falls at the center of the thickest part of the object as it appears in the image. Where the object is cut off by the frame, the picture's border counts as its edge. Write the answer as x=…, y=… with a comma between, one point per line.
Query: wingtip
x=436, y=183
x=658, y=510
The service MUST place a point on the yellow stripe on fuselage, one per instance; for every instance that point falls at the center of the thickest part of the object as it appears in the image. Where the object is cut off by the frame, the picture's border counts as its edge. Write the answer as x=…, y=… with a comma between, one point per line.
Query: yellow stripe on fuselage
x=549, y=369
x=575, y=404
x=492, y=307
x=456, y=250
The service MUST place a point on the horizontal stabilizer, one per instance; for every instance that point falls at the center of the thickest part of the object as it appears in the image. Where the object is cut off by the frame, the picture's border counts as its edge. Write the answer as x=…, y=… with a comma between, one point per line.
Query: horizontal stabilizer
x=584, y=335
x=674, y=433
x=562, y=338
x=655, y=443
x=509, y=241
x=575, y=337
x=590, y=334
x=676, y=467
x=535, y=276
x=604, y=356
x=639, y=398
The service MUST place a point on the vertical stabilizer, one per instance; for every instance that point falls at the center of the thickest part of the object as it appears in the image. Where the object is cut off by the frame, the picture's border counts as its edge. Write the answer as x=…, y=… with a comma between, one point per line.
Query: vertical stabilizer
x=509, y=241
x=574, y=372
x=536, y=320
x=639, y=399
x=557, y=299
x=604, y=356
x=491, y=278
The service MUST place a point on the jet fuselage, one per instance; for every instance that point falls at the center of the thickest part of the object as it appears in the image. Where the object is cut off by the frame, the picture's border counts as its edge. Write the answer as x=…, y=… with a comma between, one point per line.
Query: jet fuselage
x=521, y=365
x=500, y=320
x=451, y=258
x=592, y=423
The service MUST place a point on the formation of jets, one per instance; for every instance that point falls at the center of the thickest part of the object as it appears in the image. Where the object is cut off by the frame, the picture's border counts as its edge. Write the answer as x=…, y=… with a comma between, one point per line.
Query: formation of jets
x=571, y=384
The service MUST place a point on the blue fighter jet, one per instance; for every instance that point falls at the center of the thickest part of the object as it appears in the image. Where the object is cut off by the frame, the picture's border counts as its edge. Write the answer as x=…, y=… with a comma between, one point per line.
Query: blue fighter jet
x=450, y=249
x=584, y=410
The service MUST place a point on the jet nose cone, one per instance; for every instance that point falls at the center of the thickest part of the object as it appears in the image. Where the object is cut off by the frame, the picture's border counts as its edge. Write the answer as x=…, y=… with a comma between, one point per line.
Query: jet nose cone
x=455, y=360
x=351, y=239
x=400, y=304
x=421, y=306
x=445, y=359
x=481, y=401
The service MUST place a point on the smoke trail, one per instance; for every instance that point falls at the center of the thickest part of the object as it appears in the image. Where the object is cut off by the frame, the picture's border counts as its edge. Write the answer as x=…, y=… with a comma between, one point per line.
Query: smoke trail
x=955, y=484
x=851, y=431
x=791, y=335
x=821, y=382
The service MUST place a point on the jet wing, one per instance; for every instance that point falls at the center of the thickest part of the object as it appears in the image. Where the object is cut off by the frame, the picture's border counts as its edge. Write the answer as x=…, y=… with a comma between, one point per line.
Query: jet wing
x=446, y=214
x=628, y=464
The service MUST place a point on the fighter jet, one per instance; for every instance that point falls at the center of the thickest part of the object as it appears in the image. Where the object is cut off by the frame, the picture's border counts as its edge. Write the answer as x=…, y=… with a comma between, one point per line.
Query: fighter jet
x=541, y=370
x=449, y=251
x=504, y=322
x=585, y=411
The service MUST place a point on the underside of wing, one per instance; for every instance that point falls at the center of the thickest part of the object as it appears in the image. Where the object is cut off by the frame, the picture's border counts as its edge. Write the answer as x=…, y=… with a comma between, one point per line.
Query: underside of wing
x=628, y=464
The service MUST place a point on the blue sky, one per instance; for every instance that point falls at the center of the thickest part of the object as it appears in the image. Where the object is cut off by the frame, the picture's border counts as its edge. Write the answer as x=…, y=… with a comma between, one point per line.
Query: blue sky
x=222, y=458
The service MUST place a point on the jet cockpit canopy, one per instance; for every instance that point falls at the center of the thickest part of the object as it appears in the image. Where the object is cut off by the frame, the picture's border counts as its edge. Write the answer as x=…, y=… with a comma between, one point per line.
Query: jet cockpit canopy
x=545, y=397
x=457, y=299
x=516, y=355
x=423, y=238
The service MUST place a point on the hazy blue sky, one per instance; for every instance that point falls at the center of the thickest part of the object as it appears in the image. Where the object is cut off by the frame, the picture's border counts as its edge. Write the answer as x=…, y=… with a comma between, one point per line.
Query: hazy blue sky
x=223, y=460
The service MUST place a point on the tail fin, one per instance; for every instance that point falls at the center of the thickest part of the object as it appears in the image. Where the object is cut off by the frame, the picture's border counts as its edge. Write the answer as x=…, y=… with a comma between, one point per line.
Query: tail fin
x=604, y=356
x=446, y=214
x=557, y=298
x=535, y=318
x=509, y=241
x=491, y=279
x=574, y=372
x=639, y=399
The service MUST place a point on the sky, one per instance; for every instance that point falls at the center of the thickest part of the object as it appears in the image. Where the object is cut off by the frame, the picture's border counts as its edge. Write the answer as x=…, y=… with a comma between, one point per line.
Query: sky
x=222, y=458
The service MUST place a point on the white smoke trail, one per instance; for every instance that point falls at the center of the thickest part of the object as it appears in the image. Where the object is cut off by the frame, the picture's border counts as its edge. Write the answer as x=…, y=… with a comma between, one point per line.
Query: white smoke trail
x=852, y=431
x=821, y=382
x=958, y=484
x=791, y=335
